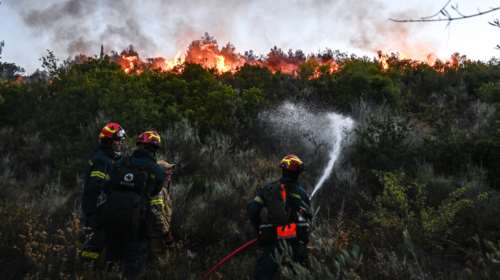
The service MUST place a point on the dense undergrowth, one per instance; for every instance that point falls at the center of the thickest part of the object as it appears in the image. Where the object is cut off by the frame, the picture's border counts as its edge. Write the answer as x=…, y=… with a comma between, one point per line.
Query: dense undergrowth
x=414, y=195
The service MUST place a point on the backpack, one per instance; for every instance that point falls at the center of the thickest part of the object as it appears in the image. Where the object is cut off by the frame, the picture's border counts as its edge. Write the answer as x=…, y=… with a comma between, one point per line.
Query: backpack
x=122, y=212
x=278, y=214
x=281, y=213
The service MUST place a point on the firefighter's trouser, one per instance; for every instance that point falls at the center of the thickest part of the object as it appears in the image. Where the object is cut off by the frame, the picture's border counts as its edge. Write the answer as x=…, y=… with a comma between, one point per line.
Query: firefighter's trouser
x=266, y=266
x=159, y=222
x=94, y=240
x=131, y=257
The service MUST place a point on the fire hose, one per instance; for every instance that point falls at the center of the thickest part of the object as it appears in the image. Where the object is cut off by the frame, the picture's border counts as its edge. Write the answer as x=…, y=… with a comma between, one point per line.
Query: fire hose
x=235, y=252
x=225, y=259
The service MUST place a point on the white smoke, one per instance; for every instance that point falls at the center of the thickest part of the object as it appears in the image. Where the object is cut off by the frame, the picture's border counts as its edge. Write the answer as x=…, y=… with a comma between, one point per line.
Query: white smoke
x=312, y=130
x=163, y=27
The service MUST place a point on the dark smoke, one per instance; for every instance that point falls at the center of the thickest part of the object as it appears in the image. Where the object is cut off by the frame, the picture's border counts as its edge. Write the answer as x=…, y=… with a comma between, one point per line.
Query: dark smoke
x=81, y=26
x=48, y=17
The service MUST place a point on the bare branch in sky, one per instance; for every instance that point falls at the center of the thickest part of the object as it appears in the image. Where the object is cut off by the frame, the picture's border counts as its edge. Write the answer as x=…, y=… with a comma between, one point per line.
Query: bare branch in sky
x=2, y=43
x=447, y=13
x=438, y=12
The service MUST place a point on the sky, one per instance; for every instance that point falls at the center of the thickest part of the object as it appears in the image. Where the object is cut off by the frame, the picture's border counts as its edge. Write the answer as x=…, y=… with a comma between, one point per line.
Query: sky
x=166, y=27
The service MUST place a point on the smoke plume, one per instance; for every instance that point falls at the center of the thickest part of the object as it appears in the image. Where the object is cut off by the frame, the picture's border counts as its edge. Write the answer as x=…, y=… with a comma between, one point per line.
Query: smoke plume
x=156, y=27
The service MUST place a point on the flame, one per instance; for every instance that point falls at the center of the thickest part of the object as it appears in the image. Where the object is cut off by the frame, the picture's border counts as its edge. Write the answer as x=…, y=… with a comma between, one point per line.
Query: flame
x=178, y=60
x=382, y=60
x=206, y=52
x=129, y=61
x=431, y=59
x=386, y=61
x=221, y=65
x=166, y=65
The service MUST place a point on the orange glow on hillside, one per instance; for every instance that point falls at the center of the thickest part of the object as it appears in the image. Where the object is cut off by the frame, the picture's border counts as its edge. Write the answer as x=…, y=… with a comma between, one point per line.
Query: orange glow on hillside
x=206, y=52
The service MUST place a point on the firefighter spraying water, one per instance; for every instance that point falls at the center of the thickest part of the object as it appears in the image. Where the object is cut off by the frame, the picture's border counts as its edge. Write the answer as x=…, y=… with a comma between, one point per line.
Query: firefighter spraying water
x=329, y=130
x=281, y=210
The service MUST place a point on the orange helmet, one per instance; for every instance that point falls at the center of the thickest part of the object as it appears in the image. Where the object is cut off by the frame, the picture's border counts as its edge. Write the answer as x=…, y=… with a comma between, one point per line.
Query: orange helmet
x=149, y=137
x=292, y=163
x=112, y=131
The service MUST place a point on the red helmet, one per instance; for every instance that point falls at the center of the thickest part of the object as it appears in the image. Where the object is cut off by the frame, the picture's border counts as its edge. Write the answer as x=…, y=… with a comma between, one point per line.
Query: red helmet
x=112, y=131
x=292, y=163
x=149, y=137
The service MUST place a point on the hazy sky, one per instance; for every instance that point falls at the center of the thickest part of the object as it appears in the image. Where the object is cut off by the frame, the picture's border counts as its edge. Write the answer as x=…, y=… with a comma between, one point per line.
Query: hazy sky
x=156, y=27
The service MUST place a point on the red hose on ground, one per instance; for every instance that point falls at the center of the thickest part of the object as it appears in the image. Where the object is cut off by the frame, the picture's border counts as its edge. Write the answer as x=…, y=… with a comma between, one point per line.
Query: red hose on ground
x=220, y=263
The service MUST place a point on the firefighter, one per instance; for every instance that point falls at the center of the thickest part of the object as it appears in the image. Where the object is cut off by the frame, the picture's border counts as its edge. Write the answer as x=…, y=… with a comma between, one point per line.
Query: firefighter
x=280, y=213
x=135, y=184
x=111, y=137
x=159, y=226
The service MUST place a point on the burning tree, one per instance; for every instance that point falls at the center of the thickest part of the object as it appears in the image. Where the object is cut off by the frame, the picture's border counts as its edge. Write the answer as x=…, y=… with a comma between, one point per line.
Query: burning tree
x=129, y=61
x=207, y=53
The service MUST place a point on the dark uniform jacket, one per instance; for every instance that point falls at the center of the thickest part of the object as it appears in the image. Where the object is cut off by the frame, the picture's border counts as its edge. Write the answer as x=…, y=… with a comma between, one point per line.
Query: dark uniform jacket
x=97, y=175
x=145, y=159
x=270, y=212
x=135, y=180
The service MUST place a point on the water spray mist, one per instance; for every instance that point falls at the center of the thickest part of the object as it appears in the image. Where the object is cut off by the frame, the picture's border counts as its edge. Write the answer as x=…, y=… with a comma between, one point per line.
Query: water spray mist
x=339, y=126
x=329, y=129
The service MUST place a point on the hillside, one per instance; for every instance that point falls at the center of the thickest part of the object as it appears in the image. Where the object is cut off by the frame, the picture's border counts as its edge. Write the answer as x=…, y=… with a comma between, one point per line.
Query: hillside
x=414, y=194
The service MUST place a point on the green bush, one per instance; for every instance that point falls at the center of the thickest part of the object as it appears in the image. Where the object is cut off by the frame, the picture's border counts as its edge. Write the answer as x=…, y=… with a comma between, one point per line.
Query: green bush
x=413, y=195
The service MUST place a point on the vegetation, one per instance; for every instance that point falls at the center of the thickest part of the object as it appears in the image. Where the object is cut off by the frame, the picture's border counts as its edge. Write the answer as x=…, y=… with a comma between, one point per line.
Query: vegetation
x=414, y=196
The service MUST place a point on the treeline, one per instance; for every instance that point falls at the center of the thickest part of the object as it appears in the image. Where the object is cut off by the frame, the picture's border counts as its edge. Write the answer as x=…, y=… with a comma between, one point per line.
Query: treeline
x=415, y=192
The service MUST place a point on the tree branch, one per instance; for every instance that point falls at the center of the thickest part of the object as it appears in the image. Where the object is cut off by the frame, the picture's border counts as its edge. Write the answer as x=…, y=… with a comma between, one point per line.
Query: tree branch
x=448, y=16
x=438, y=12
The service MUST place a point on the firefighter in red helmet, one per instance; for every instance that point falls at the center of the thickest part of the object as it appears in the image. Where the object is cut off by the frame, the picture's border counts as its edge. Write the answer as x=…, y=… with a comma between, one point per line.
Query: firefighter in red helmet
x=285, y=223
x=133, y=190
x=111, y=144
